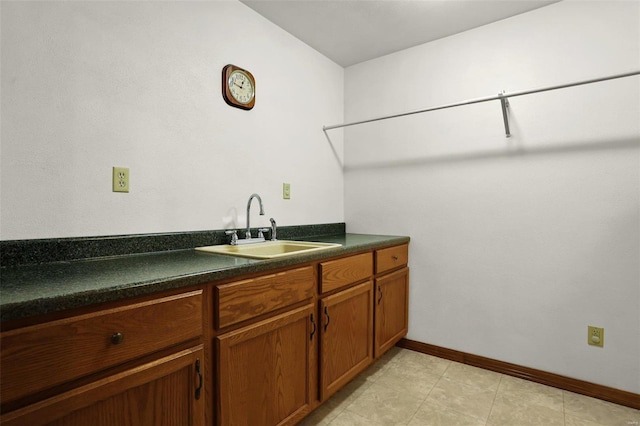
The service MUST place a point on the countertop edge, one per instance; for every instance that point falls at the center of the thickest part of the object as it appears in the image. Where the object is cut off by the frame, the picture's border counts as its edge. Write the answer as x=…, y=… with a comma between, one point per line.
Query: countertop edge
x=46, y=305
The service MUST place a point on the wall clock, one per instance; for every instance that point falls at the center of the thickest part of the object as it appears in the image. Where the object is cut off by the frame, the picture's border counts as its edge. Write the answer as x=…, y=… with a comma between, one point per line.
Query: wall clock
x=238, y=87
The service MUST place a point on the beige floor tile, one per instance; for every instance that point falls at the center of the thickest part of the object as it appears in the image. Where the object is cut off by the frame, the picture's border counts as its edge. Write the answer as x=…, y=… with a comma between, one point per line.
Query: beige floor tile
x=408, y=378
x=534, y=393
x=428, y=415
x=473, y=376
x=509, y=410
x=575, y=421
x=322, y=416
x=460, y=396
x=374, y=371
x=345, y=396
x=392, y=355
x=598, y=411
x=335, y=405
x=348, y=418
x=417, y=360
x=409, y=388
x=385, y=405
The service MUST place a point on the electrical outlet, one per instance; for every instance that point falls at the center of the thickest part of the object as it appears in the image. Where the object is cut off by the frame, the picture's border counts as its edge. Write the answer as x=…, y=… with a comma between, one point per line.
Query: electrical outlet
x=286, y=191
x=120, y=179
x=595, y=336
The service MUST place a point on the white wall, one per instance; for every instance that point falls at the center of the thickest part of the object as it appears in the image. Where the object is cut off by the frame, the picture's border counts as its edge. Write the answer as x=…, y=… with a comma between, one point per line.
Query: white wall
x=91, y=85
x=517, y=244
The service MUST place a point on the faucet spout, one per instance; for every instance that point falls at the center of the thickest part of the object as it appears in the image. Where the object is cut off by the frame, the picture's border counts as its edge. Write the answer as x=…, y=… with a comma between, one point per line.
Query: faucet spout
x=248, y=233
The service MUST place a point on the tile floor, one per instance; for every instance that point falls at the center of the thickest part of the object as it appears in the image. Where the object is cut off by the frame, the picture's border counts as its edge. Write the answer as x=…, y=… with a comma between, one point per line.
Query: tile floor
x=409, y=388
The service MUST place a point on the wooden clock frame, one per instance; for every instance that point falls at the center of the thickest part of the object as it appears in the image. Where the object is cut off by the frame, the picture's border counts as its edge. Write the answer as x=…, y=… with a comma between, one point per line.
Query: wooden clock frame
x=226, y=93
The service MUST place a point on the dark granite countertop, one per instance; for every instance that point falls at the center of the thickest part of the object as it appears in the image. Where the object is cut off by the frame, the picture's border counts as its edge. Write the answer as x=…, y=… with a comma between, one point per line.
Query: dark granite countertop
x=30, y=290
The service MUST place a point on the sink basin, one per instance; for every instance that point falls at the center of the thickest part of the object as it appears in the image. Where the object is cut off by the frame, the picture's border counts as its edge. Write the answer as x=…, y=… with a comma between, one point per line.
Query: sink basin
x=269, y=249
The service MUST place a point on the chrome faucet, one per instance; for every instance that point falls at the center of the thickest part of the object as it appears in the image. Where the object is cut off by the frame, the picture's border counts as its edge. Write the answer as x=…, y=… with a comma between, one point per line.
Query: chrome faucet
x=248, y=233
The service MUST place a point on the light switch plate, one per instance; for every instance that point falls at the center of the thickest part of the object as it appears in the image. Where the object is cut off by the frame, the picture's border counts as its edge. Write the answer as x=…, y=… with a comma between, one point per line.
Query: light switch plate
x=286, y=191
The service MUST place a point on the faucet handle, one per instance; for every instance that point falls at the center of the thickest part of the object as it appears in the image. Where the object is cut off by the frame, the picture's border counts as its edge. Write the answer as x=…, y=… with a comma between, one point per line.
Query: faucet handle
x=261, y=230
x=234, y=237
x=273, y=229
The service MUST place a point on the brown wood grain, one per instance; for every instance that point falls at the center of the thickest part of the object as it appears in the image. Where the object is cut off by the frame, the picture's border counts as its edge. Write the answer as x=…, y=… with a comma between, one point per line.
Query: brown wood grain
x=392, y=310
x=391, y=258
x=262, y=361
x=159, y=393
x=342, y=272
x=264, y=369
x=346, y=336
x=242, y=300
x=41, y=356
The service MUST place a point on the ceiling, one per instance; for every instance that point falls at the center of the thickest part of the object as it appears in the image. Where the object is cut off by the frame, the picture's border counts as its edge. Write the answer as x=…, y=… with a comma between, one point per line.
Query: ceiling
x=353, y=31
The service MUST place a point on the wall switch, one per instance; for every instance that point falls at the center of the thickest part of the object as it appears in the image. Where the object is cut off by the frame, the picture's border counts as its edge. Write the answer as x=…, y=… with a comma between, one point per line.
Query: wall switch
x=595, y=336
x=286, y=191
x=120, y=179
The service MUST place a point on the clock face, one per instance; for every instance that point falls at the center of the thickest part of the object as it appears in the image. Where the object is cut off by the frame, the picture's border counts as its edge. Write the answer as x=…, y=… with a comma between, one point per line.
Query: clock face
x=241, y=87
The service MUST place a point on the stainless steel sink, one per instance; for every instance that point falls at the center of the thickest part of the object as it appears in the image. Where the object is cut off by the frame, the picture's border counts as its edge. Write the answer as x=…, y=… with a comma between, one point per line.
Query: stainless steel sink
x=269, y=249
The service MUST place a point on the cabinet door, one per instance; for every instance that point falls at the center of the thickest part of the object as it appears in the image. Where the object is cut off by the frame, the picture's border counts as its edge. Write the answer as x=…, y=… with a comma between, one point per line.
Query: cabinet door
x=392, y=310
x=264, y=370
x=165, y=392
x=347, y=336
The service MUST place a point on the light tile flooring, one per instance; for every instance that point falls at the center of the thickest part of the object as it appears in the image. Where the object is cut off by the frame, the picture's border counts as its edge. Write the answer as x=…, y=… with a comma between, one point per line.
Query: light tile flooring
x=409, y=388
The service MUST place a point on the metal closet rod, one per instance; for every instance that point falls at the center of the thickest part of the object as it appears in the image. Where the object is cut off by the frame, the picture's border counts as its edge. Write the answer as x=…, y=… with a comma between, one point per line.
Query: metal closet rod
x=503, y=97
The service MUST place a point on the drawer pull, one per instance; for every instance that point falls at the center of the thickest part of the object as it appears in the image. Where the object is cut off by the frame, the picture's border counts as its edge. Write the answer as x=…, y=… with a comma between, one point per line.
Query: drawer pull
x=200, y=381
x=395, y=258
x=117, y=338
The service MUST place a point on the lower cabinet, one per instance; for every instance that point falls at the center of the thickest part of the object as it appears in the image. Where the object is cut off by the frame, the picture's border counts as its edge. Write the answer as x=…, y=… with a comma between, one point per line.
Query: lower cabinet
x=264, y=370
x=392, y=309
x=163, y=392
x=346, y=336
x=284, y=343
x=134, y=363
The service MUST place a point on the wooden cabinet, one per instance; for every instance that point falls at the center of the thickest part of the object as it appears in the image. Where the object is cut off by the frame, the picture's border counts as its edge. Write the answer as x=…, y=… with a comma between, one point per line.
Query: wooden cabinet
x=392, y=309
x=264, y=370
x=247, y=299
x=109, y=366
x=391, y=258
x=263, y=350
x=339, y=273
x=392, y=297
x=346, y=336
x=163, y=392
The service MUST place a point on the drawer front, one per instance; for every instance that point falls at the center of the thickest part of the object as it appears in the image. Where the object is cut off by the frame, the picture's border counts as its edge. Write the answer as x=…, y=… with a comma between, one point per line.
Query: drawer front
x=391, y=258
x=41, y=356
x=341, y=272
x=243, y=300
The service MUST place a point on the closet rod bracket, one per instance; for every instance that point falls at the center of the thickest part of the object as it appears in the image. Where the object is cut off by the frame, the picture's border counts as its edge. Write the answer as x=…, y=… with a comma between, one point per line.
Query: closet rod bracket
x=504, y=102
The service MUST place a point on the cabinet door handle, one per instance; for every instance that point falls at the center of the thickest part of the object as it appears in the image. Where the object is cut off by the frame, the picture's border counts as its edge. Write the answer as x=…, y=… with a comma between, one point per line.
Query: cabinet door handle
x=326, y=312
x=200, y=381
x=313, y=323
x=380, y=294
